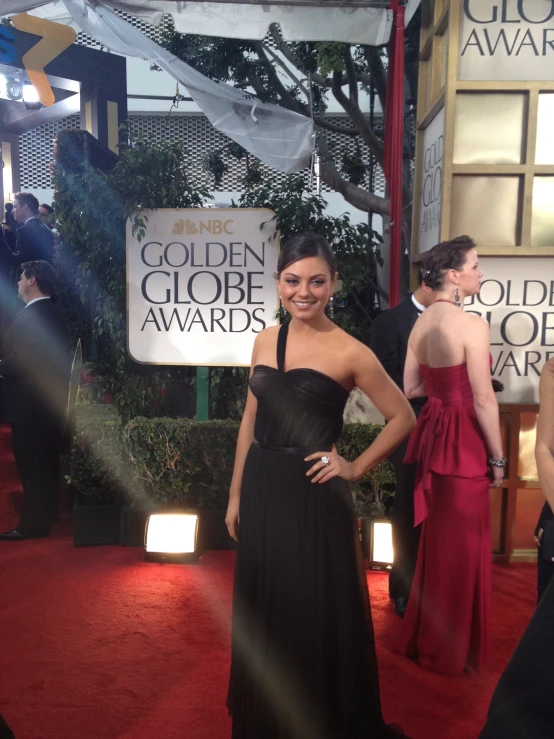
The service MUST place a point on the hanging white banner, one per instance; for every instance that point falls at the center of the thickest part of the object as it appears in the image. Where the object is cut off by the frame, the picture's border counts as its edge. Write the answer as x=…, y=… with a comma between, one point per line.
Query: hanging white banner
x=201, y=285
x=346, y=23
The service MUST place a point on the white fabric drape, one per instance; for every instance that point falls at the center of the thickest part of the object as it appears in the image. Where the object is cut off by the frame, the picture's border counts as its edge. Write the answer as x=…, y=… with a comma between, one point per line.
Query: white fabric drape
x=278, y=137
x=354, y=25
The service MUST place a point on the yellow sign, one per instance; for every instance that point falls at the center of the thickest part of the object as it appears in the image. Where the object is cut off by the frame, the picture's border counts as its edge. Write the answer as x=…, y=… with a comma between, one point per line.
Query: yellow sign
x=56, y=38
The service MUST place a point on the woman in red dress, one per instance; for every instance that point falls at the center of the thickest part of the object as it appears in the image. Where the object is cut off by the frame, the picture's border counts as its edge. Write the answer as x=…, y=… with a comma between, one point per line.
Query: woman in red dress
x=458, y=448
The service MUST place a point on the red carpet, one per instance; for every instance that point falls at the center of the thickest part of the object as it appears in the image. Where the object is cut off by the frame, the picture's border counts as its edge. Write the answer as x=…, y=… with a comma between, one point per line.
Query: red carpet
x=97, y=644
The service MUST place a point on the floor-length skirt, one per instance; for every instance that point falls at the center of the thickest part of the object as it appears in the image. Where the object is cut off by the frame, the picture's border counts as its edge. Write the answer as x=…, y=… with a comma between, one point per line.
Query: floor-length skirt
x=303, y=655
x=446, y=626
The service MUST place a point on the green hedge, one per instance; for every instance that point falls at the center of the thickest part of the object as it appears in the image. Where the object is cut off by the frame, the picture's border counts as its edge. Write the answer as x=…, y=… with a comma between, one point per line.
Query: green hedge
x=182, y=462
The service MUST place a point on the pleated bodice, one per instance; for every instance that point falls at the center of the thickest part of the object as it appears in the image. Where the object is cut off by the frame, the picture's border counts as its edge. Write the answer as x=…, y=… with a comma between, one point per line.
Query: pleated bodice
x=450, y=385
x=298, y=408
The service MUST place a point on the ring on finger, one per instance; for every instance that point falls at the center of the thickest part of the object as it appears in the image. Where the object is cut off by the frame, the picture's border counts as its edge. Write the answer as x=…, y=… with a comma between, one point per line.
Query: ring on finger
x=325, y=459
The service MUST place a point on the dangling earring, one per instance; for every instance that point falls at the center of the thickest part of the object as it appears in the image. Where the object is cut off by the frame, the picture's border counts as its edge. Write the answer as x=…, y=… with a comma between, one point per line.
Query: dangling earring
x=283, y=309
x=331, y=309
x=457, y=300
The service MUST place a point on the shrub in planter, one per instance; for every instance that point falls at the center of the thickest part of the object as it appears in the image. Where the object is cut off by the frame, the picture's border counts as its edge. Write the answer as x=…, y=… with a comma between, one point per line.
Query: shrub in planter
x=160, y=462
x=374, y=492
x=189, y=464
x=99, y=471
x=98, y=467
x=181, y=461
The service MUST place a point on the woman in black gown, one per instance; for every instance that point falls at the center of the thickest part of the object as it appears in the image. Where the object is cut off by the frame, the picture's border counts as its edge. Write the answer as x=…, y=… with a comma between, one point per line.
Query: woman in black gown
x=303, y=653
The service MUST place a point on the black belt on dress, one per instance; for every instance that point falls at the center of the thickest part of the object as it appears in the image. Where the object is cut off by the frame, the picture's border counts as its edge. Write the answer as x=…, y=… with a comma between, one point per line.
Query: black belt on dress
x=300, y=450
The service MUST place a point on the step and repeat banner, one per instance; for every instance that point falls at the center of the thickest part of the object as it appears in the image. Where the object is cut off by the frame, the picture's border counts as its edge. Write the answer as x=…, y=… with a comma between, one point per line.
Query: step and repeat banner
x=517, y=300
x=201, y=285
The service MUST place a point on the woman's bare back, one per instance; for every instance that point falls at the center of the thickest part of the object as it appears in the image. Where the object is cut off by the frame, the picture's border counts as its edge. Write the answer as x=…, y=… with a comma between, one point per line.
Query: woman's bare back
x=440, y=336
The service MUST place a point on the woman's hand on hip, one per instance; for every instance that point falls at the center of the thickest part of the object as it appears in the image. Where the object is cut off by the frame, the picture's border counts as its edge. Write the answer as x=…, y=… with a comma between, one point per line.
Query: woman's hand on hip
x=336, y=466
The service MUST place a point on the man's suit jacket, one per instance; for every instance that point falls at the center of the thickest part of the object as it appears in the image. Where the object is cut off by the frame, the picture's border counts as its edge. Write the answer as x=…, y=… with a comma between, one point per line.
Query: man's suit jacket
x=389, y=341
x=34, y=241
x=35, y=366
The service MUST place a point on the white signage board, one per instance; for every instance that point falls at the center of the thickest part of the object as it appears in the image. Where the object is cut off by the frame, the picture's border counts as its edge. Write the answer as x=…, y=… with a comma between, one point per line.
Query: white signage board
x=201, y=285
x=430, y=196
x=517, y=300
x=506, y=40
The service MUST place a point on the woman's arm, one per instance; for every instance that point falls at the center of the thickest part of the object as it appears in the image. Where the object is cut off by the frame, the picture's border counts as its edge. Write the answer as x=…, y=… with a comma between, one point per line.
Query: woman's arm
x=370, y=376
x=544, y=449
x=477, y=343
x=414, y=384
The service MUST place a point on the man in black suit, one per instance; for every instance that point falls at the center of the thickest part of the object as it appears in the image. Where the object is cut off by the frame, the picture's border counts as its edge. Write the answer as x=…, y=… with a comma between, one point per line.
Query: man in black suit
x=35, y=367
x=34, y=240
x=389, y=341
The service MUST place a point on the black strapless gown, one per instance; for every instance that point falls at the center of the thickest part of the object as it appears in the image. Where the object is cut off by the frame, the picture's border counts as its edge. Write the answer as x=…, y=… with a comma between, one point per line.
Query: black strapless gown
x=303, y=652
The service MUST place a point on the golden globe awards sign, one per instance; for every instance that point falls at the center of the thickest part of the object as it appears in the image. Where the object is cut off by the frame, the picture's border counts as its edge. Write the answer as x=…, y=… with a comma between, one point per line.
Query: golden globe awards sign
x=431, y=187
x=506, y=40
x=200, y=285
x=517, y=300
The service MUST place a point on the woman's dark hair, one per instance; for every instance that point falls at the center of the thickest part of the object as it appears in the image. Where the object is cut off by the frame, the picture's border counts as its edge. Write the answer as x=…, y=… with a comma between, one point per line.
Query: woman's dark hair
x=442, y=257
x=303, y=246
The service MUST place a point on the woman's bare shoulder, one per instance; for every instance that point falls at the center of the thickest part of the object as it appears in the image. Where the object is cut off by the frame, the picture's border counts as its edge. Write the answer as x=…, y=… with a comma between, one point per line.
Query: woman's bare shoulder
x=351, y=349
x=267, y=336
x=474, y=322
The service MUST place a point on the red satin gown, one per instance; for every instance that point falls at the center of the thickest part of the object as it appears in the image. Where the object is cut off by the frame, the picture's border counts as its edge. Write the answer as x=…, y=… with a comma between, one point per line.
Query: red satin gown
x=446, y=626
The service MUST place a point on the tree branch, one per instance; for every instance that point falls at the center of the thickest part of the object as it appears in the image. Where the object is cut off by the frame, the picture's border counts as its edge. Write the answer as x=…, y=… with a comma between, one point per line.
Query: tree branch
x=278, y=86
x=324, y=123
x=291, y=57
x=283, y=66
x=358, y=119
x=377, y=73
x=351, y=75
x=356, y=196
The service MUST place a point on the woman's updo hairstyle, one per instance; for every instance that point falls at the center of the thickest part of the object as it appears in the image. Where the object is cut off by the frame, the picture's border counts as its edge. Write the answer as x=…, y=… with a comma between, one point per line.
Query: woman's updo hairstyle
x=303, y=246
x=442, y=257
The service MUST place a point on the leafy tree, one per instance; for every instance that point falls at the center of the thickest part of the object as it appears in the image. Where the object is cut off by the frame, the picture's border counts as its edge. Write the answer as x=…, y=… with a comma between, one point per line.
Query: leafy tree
x=302, y=77
x=92, y=208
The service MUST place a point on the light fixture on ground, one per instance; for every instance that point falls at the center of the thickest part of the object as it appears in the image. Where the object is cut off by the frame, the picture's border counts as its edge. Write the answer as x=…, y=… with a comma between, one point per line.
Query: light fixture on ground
x=171, y=536
x=381, y=555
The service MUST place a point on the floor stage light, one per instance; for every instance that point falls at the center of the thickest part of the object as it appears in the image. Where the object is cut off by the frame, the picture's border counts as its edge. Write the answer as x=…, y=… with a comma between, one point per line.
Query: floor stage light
x=171, y=537
x=381, y=555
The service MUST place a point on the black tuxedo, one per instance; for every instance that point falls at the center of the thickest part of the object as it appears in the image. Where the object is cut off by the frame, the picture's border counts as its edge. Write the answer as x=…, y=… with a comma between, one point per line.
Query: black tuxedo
x=35, y=367
x=34, y=241
x=389, y=341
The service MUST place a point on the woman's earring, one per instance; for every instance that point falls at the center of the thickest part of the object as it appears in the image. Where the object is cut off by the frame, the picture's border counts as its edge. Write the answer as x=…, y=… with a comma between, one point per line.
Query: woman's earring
x=331, y=309
x=283, y=309
x=457, y=298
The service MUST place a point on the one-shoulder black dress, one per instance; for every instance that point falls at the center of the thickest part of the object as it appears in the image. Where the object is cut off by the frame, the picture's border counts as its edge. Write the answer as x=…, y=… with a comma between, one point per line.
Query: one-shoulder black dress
x=303, y=654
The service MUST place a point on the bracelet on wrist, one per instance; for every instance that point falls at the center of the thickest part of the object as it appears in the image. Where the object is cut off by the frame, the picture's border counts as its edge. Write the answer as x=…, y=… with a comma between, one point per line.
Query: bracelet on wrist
x=497, y=462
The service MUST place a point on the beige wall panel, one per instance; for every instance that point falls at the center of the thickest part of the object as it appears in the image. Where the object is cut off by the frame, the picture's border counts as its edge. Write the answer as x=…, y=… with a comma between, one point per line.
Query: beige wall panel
x=489, y=128
x=542, y=215
x=527, y=466
x=485, y=208
x=544, y=153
